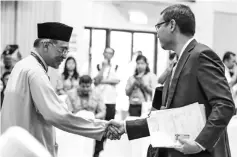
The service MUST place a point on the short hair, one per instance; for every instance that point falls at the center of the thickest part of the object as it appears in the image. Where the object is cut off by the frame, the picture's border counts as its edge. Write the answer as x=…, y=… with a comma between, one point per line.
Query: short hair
x=39, y=40
x=183, y=17
x=37, y=43
x=109, y=48
x=85, y=79
x=228, y=55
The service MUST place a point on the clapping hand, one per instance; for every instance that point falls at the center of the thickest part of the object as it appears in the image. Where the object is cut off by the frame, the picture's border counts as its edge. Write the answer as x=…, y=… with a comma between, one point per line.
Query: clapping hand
x=137, y=83
x=142, y=84
x=115, y=130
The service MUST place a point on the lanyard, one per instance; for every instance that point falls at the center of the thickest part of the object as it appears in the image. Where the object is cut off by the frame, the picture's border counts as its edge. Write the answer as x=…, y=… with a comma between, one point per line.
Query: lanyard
x=40, y=61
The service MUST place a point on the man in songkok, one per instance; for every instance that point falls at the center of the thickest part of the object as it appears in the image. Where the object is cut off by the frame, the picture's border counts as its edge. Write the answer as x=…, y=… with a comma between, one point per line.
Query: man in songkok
x=30, y=100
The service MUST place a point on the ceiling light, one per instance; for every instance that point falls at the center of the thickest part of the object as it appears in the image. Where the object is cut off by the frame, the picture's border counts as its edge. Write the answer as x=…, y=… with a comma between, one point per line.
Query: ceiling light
x=137, y=17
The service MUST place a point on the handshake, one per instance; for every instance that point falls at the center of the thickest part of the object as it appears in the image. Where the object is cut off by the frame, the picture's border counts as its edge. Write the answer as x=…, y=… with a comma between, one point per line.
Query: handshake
x=114, y=130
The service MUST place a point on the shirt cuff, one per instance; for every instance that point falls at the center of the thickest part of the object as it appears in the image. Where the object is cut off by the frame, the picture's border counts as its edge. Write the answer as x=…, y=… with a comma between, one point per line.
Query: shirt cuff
x=124, y=125
x=200, y=146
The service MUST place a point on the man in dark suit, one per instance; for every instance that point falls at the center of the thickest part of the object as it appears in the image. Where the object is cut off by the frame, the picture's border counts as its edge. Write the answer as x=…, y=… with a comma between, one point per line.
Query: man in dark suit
x=198, y=76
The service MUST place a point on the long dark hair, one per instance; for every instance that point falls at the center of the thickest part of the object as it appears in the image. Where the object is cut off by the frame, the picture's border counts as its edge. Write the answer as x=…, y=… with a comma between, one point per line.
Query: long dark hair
x=65, y=72
x=141, y=57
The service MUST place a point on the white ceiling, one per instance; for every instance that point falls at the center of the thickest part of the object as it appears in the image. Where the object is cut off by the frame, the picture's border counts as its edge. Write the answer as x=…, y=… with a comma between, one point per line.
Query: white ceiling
x=151, y=9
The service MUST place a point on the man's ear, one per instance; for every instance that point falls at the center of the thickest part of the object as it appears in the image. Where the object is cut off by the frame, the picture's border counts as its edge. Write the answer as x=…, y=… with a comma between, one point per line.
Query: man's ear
x=45, y=46
x=172, y=25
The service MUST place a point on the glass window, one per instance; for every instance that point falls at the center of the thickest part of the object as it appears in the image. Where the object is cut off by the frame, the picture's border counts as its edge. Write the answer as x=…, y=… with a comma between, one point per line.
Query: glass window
x=97, y=49
x=85, y=51
x=121, y=42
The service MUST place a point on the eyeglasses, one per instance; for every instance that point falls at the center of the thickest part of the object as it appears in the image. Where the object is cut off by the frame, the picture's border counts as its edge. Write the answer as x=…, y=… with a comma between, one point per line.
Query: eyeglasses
x=63, y=51
x=159, y=24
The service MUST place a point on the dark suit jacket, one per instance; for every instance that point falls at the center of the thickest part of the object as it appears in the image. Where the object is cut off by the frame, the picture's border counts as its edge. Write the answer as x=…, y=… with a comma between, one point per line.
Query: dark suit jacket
x=199, y=77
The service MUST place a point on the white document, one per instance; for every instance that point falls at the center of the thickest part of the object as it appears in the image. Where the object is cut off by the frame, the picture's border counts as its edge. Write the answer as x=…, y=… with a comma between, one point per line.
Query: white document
x=164, y=125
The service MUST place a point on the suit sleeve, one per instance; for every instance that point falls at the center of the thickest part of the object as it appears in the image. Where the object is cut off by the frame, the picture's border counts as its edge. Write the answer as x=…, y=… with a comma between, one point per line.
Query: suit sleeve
x=48, y=104
x=211, y=77
x=137, y=129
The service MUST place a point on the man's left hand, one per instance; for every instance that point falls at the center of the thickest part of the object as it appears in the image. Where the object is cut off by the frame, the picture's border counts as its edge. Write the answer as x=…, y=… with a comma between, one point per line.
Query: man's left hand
x=188, y=147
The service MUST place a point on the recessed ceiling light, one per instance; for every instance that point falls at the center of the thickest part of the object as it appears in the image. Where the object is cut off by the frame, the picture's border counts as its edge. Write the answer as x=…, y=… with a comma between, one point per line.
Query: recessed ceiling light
x=137, y=17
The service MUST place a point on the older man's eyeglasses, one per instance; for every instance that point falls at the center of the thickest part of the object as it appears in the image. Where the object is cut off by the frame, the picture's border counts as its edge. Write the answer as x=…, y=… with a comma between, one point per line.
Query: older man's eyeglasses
x=63, y=51
x=159, y=24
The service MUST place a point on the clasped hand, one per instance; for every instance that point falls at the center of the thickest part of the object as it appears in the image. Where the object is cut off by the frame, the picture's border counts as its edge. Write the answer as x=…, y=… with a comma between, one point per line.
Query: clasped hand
x=114, y=130
x=139, y=83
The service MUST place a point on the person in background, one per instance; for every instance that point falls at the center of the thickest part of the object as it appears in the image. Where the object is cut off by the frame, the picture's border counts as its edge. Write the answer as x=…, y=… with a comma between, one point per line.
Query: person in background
x=173, y=58
x=10, y=56
x=140, y=86
x=84, y=98
x=105, y=83
x=132, y=64
x=4, y=81
x=229, y=60
x=124, y=72
x=69, y=78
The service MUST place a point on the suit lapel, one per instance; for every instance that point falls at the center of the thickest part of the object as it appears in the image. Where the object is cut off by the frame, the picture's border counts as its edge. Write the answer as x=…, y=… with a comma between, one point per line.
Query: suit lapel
x=178, y=70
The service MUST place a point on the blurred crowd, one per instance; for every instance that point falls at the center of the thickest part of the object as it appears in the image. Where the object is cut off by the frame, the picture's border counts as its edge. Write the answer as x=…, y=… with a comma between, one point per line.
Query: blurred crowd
x=9, y=57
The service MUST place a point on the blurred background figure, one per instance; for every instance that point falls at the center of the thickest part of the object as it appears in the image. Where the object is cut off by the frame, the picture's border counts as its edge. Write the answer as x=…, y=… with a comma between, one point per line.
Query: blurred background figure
x=173, y=58
x=24, y=144
x=84, y=100
x=140, y=86
x=10, y=56
x=69, y=78
x=4, y=81
x=132, y=64
x=229, y=60
x=124, y=73
x=105, y=83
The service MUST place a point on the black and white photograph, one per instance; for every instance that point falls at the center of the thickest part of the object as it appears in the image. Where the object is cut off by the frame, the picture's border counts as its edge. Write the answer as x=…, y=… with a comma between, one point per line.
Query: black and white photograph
x=118, y=78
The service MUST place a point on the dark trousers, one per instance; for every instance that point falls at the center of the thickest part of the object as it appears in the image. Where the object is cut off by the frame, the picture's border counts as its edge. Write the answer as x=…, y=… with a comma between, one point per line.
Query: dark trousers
x=135, y=110
x=110, y=114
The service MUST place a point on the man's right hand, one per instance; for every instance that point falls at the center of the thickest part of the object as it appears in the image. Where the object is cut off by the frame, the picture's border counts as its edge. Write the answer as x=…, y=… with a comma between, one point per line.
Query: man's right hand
x=115, y=129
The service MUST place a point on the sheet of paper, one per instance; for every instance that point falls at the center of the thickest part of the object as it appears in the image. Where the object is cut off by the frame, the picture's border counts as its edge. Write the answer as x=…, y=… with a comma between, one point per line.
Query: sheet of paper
x=165, y=124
